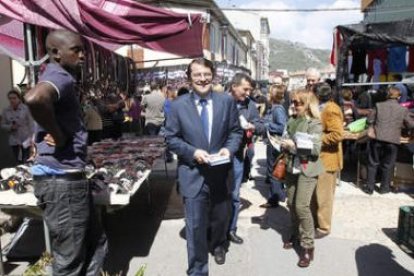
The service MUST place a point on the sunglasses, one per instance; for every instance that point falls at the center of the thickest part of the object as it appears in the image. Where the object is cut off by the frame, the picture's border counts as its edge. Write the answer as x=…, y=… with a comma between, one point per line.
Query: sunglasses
x=297, y=103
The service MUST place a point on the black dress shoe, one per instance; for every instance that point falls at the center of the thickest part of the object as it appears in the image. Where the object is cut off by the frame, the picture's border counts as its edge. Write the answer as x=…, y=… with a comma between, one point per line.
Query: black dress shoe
x=367, y=190
x=219, y=255
x=384, y=190
x=234, y=238
x=269, y=205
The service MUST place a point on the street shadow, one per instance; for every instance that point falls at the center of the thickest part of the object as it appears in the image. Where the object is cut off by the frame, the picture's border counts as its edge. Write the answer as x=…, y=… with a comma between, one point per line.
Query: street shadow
x=9, y=268
x=353, y=152
x=277, y=219
x=392, y=234
x=376, y=259
x=131, y=230
x=175, y=207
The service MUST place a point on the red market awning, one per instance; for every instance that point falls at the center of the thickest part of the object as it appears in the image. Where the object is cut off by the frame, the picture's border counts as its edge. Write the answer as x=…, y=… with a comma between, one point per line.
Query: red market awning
x=11, y=38
x=111, y=23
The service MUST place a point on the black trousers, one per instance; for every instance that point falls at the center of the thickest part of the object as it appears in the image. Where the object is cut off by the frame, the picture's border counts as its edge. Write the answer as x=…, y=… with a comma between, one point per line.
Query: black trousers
x=94, y=136
x=381, y=155
x=24, y=153
x=78, y=242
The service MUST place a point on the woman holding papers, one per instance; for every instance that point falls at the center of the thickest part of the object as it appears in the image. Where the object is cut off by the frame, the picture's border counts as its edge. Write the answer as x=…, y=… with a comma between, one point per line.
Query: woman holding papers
x=303, y=167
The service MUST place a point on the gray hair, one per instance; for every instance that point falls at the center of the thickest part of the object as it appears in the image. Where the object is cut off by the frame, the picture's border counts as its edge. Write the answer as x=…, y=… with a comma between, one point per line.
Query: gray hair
x=313, y=72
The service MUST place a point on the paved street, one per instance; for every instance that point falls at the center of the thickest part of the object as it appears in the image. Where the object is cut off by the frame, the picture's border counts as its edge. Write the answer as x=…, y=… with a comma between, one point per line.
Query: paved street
x=361, y=242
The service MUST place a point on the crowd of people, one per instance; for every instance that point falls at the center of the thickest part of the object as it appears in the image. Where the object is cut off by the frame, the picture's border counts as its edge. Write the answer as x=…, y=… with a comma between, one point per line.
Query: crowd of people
x=200, y=121
x=309, y=186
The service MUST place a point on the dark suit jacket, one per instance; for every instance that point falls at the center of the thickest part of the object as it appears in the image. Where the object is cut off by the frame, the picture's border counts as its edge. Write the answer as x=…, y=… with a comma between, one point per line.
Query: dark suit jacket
x=249, y=110
x=185, y=134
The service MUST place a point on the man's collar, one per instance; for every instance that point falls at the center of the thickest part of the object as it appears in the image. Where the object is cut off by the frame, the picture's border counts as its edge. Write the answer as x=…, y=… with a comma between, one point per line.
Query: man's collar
x=197, y=97
x=59, y=67
x=245, y=102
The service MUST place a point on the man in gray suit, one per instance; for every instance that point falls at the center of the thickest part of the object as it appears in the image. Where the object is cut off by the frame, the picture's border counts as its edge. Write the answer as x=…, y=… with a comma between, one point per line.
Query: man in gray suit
x=200, y=124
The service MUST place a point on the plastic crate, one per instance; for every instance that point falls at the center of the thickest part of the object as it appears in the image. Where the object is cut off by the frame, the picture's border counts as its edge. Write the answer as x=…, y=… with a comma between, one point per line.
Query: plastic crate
x=406, y=228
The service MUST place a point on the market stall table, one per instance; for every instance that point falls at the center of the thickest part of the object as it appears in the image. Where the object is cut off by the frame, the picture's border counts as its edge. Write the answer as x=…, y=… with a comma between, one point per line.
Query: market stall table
x=362, y=138
x=28, y=202
x=119, y=162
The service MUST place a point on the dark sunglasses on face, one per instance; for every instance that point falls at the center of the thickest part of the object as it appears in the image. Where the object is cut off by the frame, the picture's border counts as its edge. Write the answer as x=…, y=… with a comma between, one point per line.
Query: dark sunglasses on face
x=297, y=103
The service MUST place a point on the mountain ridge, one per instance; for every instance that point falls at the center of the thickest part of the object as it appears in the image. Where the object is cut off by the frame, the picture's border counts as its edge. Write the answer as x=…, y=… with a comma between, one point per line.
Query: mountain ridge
x=295, y=56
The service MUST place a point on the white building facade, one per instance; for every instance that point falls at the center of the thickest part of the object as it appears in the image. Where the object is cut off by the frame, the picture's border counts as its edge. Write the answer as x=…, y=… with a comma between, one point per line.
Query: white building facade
x=221, y=42
x=260, y=30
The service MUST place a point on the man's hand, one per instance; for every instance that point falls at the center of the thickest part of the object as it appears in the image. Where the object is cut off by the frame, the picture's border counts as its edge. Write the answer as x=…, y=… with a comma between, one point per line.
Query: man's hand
x=14, y=126
x=224, y=152
x=201, y=156
x=58, y=141
x=250, y=126
x=288, y=144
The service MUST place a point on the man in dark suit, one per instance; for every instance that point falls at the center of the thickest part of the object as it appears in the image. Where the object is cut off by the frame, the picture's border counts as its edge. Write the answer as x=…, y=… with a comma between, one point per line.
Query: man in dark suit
x=200, y=124
x=240, y=88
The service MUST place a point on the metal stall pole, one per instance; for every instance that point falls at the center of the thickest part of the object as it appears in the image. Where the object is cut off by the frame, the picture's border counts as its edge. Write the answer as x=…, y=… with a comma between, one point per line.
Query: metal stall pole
x=28, y=39
x=49, y=269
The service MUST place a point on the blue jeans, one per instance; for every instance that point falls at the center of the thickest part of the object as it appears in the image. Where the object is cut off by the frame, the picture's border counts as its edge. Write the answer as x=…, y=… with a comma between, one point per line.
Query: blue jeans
x=276, y=192
x=78, y=242
x=238, y=164
x=248, y=161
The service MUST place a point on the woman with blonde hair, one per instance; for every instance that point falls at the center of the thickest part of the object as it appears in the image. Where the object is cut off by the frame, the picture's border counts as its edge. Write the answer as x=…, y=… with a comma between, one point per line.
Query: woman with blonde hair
x=275, y=125
x=303, y=168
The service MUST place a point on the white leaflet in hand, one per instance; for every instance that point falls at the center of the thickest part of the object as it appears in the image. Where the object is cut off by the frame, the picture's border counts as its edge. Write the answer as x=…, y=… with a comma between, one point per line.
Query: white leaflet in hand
x=303, y=140
x=243, y=122
x=304, y=143
x=275, y=141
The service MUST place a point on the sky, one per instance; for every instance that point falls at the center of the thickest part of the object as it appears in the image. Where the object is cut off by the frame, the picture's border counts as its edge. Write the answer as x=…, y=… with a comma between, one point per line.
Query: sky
x=314, y=29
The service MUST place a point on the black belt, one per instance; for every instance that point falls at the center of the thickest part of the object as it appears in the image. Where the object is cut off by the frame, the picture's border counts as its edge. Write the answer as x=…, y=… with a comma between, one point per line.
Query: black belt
x=75, y=176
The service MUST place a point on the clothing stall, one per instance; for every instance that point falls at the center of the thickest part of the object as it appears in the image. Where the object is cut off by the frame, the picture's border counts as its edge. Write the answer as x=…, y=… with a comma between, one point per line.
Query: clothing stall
x=367, y=56
x=377, y=50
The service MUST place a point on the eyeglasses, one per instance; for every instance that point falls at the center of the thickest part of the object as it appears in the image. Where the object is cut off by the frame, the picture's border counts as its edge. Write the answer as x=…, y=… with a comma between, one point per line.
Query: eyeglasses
x=297, y=103
x=197, y=76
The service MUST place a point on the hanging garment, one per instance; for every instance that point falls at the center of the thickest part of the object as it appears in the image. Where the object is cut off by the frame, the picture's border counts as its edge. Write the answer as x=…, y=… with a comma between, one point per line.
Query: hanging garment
x=358, y=62
x=378, y=54
x=397, y=59
x=411, y=60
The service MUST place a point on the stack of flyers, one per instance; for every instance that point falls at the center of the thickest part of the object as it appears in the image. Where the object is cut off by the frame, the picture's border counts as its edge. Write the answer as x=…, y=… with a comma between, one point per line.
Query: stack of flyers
x=215, y=160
